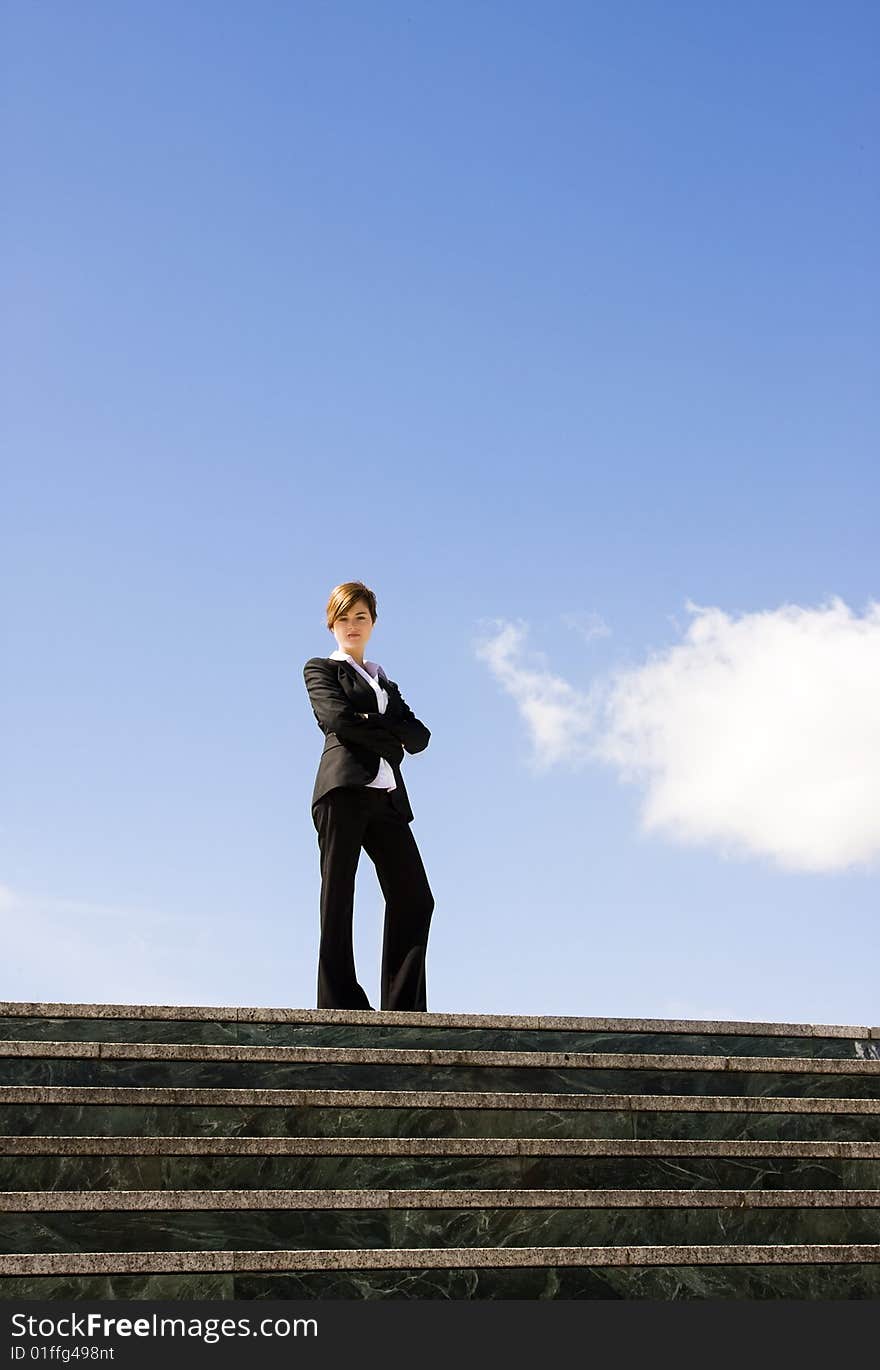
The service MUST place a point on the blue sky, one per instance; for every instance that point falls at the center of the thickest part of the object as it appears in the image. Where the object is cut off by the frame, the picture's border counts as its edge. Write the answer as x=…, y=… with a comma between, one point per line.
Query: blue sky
x=557, y=326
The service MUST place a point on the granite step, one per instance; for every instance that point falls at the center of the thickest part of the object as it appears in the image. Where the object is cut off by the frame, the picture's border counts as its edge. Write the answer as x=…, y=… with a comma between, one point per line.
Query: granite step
x=237, y=1013
x=652, y=1272
x=204, y=1065
x=310, y=1145
x=321, y=1200
x=240, y=1261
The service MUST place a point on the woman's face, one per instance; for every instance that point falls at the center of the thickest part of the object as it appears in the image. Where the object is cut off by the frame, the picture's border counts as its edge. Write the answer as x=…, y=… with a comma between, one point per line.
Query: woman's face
x=352, y=629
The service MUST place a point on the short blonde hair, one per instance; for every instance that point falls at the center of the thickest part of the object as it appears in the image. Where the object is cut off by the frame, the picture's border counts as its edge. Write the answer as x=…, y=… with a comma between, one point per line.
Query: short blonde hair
x=344, y=596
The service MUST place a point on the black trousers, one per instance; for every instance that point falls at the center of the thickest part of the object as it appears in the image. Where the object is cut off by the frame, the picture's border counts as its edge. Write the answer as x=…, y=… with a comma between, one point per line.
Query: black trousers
x=346, y=819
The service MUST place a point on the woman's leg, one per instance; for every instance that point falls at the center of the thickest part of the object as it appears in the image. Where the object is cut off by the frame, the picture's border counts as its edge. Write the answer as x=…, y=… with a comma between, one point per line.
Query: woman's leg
x=389, y=842
x=340, y=818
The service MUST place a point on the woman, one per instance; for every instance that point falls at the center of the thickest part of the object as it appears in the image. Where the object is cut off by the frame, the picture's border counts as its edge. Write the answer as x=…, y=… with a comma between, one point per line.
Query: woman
x=360, y=800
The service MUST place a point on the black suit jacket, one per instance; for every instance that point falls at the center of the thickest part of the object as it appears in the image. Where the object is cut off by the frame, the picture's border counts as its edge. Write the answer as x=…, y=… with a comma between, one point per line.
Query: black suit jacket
x=353, y=745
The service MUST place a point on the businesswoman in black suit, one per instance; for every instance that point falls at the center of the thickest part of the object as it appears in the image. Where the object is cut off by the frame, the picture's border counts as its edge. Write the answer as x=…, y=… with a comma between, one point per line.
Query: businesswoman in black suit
x=360, y=800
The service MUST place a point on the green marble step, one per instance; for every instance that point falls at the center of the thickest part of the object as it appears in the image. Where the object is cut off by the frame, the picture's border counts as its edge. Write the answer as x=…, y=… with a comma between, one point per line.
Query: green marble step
x=428, y=1035
x=31, y=1164
x=183, y=1151
x=72, y=1110
x=229, y=1025
x=697, y=1280
x=200, y=1065
x=374, y=1219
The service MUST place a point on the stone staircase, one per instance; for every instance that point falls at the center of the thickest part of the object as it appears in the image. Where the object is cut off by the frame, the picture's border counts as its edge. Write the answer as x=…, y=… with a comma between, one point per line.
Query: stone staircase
x=170, y=1152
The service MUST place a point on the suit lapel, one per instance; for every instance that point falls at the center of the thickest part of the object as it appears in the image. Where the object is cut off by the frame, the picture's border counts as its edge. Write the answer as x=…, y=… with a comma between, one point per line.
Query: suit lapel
x=354, y=684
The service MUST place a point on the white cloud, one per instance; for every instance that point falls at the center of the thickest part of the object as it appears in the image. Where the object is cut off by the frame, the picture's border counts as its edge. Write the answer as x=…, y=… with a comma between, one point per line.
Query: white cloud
x=559, y=717
x=759, y=734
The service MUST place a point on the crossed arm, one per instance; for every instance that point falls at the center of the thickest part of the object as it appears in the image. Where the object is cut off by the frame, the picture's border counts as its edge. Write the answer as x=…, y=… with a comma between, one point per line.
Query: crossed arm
x=401, y=721
x=398, y=729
